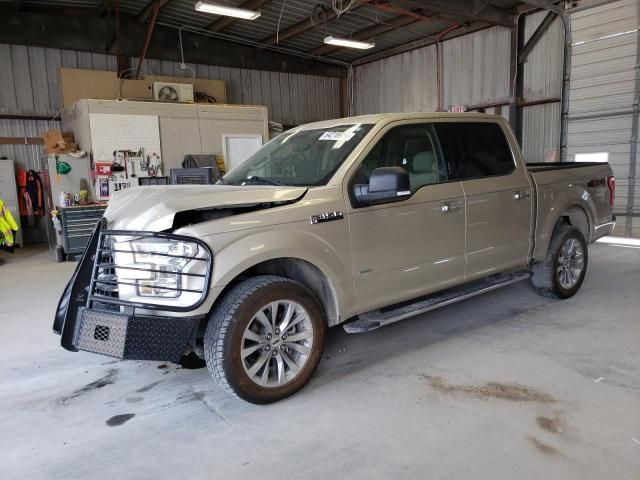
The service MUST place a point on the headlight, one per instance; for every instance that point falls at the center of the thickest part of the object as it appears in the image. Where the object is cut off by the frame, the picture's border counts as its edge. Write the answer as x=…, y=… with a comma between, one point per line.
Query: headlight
x=157, y=266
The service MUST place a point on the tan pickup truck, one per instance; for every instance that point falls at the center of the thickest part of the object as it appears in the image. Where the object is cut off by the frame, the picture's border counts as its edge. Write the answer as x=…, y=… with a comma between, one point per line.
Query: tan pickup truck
x=359, y=221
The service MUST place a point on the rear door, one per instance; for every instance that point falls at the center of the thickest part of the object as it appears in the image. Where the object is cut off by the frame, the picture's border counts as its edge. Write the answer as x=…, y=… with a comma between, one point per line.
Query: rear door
x=498, y=196
x=404, y=249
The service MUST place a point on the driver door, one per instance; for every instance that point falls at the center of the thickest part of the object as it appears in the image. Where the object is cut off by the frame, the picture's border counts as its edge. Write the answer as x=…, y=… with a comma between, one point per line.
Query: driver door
x=405, y=249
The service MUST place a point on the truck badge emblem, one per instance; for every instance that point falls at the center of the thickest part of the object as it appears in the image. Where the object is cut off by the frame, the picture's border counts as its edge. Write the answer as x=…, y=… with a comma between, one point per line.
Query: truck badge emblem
x=326, y=217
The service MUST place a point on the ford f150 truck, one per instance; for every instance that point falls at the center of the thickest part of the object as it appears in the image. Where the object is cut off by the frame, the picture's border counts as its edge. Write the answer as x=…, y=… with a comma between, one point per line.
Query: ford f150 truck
x=359, y=221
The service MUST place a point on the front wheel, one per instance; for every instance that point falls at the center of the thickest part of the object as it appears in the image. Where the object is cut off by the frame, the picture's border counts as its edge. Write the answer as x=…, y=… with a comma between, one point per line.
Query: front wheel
x=563, y=271
x=265, y=339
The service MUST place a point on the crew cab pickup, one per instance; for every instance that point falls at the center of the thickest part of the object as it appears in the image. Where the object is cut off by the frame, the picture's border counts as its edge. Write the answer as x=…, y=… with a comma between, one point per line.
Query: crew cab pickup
x=360, y=221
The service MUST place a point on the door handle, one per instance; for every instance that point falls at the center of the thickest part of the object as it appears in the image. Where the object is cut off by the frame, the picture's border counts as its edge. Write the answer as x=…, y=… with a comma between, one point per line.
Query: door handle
x=521, y=195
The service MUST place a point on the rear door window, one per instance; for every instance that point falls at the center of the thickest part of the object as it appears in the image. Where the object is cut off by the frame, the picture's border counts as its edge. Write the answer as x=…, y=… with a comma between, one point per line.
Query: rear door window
x=477, y=150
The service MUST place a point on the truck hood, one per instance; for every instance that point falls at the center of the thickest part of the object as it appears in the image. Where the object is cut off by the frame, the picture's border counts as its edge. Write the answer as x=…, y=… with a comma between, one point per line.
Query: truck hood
x=153, y=208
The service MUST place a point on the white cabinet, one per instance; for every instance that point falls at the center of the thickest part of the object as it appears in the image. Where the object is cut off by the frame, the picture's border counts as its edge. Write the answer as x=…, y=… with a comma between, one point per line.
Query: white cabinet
x=184, y=128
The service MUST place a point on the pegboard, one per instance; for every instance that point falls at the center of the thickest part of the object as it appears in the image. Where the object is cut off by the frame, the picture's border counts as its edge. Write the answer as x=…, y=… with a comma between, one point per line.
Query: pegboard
x=110, y=132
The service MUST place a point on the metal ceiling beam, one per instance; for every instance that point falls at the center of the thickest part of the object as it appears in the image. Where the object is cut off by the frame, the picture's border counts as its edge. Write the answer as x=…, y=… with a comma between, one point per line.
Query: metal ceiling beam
x=225, y=22
x=146, y=12
x=43, y=30
x=147, y=38
x=370, y=32
x=545, y=5
x=304, y=25
x=475, y=10
x=535, y=38
x=419, y=13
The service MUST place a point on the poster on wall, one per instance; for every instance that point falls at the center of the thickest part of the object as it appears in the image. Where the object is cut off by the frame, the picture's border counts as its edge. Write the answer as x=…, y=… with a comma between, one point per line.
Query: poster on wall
x=102, y=173
x=102, y=187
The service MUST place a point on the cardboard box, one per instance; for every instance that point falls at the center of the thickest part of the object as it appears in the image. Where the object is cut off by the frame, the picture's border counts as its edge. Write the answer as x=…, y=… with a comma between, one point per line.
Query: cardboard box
x=56, y=142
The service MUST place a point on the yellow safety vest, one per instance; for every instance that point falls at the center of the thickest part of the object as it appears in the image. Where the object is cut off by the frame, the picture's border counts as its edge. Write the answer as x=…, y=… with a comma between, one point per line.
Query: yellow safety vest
x=7, y=226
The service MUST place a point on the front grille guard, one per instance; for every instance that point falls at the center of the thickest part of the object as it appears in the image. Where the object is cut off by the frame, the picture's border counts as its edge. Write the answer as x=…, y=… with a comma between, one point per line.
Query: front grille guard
x=103, y=288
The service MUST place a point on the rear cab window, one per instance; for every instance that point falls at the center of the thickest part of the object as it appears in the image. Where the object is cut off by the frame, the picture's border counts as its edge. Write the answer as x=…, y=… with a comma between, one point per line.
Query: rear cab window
x=476, y=149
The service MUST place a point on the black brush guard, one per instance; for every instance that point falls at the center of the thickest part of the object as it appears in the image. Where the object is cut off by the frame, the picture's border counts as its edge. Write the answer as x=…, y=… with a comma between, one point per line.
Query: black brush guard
x=89, y=313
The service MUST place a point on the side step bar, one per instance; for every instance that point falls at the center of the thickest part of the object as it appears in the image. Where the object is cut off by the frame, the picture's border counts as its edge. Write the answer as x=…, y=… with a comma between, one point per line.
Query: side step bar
x=379, y=318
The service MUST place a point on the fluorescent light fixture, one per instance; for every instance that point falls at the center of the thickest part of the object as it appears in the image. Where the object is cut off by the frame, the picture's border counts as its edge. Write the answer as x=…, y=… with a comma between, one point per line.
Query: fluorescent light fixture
x=227, y=11
x=346, y=42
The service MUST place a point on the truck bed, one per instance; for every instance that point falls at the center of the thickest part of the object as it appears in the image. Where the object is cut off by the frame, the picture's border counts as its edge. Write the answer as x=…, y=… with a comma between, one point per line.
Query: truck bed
x=580, y=189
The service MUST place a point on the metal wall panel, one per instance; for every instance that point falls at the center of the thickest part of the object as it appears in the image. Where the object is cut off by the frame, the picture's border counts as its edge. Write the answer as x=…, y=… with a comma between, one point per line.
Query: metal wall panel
x=604, y=96
x=402, y=83
x=476, y=68
x=543, y=67
x=475, y=72
x=540, y=131
x=29, y=83
x=26, y=156
x=29, y=86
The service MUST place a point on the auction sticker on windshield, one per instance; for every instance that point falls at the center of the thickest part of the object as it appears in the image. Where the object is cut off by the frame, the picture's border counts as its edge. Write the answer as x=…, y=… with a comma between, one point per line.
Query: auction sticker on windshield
x=337, y=136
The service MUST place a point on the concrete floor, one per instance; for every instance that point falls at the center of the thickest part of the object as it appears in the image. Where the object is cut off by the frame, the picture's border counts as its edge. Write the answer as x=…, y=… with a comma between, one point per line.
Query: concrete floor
x=508, y=385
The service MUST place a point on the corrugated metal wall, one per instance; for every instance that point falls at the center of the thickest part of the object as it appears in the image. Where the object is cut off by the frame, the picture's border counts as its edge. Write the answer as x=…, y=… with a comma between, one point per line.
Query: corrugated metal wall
x=475, y=72
x=29, y=83
x=29, y=86
x=401, y=83
x=604, y=96
x=476, y=68
x=26, y=156
x=542, y=81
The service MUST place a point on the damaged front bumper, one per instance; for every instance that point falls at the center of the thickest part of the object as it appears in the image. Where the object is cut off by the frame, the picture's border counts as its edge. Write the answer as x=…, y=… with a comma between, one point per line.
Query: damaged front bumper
x=90, y=320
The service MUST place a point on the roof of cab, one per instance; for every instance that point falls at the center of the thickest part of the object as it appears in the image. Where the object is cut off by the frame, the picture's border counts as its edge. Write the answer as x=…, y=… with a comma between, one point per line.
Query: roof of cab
x=393, y=117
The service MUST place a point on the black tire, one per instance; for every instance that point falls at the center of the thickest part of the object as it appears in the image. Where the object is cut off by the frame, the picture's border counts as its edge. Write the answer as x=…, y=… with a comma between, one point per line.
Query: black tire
x=230, y=317
x=545, y=277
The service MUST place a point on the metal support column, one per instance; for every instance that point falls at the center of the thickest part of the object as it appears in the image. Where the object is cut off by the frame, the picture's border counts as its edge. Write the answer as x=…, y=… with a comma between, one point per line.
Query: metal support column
x=634, y=140
x=566, y=80
x=525, y=50
x=519, y=85
x=344, y=97
x=513, y=73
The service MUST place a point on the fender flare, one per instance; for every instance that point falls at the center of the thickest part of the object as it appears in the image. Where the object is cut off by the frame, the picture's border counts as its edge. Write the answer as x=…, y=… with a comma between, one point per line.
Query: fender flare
x=259, y=247
x=577, y=198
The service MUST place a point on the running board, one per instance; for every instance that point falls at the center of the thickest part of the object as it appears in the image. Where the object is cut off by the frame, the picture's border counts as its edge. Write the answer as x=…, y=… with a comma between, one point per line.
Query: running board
x=379, y=318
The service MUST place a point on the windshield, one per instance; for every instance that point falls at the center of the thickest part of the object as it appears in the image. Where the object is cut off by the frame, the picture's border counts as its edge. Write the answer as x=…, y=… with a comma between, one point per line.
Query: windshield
x=300, y=158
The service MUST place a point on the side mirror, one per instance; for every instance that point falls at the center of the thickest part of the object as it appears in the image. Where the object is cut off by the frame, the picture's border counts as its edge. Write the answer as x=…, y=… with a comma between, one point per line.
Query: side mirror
x=387, y=184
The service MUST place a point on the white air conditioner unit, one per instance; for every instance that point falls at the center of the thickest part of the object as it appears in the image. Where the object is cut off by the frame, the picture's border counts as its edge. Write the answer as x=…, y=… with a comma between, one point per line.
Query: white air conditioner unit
x=173, y=92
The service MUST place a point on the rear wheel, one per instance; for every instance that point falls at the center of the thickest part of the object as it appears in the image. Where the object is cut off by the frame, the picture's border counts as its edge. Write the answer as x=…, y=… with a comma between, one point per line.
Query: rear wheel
x=564, y=269
x=265, y=338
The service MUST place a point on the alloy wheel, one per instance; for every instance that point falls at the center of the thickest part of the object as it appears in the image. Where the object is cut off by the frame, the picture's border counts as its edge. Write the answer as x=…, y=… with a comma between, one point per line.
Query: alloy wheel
x=570, y=263
x=277, y=343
